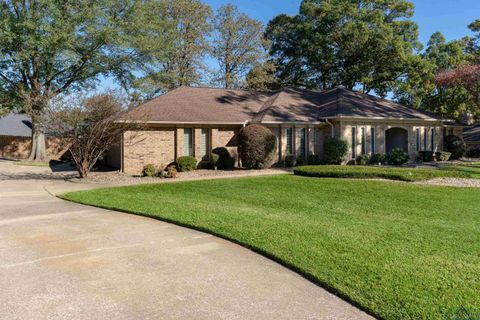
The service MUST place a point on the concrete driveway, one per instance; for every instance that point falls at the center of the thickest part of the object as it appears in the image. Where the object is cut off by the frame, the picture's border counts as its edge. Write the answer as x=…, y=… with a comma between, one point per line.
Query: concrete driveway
x=60, y=260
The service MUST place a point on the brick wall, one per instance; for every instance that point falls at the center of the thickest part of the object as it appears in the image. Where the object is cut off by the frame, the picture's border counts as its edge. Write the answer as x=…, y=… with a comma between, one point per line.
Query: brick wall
x=19, y=147
x=155, y=146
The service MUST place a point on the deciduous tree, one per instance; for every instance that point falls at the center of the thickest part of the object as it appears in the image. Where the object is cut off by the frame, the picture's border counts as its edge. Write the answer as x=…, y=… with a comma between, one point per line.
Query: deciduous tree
x=51, y=47
x=236, y=45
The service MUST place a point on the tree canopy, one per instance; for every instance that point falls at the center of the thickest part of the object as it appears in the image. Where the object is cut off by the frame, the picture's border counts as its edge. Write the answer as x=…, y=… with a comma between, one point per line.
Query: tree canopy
x=358, y=44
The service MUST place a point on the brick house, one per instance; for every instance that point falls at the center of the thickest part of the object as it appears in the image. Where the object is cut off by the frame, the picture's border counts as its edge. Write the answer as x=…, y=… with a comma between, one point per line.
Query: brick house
x=471, y=135
x=193, y=121
x=16, y=138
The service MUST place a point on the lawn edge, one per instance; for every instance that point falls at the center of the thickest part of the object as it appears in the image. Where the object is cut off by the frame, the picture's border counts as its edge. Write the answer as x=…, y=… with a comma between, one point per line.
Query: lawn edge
x=309, y=277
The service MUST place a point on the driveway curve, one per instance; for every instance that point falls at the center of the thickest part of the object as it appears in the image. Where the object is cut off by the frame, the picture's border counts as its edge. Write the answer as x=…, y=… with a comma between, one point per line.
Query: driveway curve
x=60, y=260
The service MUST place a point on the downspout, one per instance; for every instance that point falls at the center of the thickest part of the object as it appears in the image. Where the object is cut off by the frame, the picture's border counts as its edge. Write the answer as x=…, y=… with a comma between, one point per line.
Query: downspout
x=331, y=125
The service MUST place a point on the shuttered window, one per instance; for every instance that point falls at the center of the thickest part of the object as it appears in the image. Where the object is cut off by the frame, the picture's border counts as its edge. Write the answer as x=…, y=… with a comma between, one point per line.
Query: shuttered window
x=418, y=139
x=289, y=141
x=303, y=142
x=432, y=137
x=205, y=144
x=372, y=140
x=188, y=142
x=425, y=139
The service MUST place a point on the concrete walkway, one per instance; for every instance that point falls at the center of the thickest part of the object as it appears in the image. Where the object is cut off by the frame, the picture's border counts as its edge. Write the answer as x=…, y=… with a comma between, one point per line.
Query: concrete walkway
x=60, y=260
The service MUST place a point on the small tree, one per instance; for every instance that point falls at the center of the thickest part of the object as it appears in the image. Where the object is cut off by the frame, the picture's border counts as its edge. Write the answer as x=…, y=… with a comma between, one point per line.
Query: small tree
x=455, y=145
x=335, y=150
x=90, y=127
x=257, y=144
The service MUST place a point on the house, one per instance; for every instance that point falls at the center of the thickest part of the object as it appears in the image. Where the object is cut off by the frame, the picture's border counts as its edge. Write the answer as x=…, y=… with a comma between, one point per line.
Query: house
x=191, y=121
x=16, y=138
x=471, y=135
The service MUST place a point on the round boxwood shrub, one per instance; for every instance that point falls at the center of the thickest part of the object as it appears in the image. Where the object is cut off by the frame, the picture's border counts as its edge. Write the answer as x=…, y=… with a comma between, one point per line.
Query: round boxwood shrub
x=222, y=158
x=362, y=159
x=257, y=145
x=455, y=145
x=314, y=159
x=335, y=150
x=186, y=163
x=149, y=170
x=289, y=161
x=377, y=158
x=397, y=157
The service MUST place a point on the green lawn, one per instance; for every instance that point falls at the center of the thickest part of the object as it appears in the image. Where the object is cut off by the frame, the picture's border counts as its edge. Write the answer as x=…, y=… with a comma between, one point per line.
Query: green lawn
x=398, y=250
x=473, y=170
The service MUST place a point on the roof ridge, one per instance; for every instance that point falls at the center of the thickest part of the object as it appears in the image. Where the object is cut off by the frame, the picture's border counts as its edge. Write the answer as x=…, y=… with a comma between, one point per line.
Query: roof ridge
x=267, y=105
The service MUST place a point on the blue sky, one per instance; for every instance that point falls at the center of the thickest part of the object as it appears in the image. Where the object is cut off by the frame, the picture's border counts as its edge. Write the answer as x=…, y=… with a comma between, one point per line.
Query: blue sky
x=450, y=17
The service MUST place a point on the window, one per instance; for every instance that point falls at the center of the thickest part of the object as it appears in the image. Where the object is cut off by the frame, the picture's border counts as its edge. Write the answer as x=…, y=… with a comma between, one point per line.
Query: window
x=205, y=144
x=372, y=140
x=289, y=141
x=188, y=142
x=418, y=139
x=354, y=142
x=432, y=137
x=363, y=141
x=303, y=140
x=425, y=139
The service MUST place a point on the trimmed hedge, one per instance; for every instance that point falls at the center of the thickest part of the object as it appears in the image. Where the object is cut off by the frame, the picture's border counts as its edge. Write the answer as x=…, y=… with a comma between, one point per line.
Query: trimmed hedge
x=335, y=150
x=257, y=145
x=364, y=172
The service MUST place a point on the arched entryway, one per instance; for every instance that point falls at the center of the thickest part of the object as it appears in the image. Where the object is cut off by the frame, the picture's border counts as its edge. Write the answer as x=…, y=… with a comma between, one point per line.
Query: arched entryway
x=396, y=138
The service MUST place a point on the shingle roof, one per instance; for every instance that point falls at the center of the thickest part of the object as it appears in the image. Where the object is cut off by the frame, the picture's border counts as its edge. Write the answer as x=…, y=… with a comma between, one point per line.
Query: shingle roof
x=18, y=125
x=472, y=133
x=187, y=104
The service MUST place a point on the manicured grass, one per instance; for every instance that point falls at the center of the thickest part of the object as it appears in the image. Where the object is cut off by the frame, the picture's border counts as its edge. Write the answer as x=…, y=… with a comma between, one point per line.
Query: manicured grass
x=473, y=170
x=398, y=250
x=362, y=172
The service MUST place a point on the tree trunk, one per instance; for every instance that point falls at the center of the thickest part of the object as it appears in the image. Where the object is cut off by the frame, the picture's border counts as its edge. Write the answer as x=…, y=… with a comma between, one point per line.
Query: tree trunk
x=38, y=152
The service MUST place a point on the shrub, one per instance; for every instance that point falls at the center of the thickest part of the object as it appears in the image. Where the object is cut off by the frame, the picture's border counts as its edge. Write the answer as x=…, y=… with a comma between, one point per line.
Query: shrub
x=290, y=161
x=171, y=172
x=214, y=160
x=377, y=158
x=397, y=157
x=335, y=150
x=473, y=153
x=314, y=159
x=257, y=145
x=225, y=160
x=454, y=145
x=186, y=163
x=149, y=170
x=442, y=155
x=362, y=159
x=361, y=172
x=300, y=161
x=426, y=156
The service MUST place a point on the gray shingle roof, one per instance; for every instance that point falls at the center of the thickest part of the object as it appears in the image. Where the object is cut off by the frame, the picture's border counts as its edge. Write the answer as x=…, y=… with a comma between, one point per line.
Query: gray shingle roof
x=18, y=125
x=187, y=104
x=472, y=133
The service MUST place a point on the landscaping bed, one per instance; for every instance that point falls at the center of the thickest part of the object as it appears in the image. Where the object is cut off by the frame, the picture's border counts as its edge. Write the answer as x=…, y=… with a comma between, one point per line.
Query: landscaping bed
x=382, y=172
x=398, y=250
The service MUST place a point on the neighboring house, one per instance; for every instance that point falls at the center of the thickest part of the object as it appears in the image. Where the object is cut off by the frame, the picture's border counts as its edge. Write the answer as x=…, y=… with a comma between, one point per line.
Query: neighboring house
x=16, y=138
x=471, y=135
x=193, y=121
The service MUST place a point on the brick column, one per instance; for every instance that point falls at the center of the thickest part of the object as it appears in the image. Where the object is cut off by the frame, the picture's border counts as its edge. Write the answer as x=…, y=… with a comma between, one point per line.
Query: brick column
x=214, y=138
x=311, y=140
x=283, y=143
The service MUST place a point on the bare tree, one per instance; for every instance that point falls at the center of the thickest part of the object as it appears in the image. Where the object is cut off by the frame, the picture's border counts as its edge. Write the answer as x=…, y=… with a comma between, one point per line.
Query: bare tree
x=91, y=127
